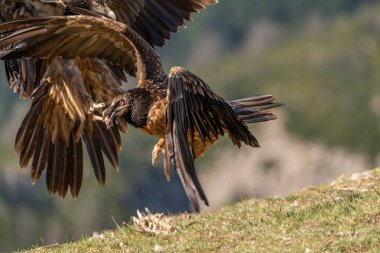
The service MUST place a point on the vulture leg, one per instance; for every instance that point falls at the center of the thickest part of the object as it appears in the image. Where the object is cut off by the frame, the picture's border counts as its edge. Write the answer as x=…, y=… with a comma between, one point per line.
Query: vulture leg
x=159, y=147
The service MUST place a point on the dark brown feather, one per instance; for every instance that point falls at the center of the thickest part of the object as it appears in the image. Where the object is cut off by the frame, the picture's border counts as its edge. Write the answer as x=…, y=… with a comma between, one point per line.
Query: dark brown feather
x=154, y=20
x=23, y=75
x=50, y=37
x=30, y=143
x=49, y=167
x=96, y=158
x=57, y=167
x=40, y=155
x=64, y=185
x=255, y=109
x=75, y=163
x=107, y=144
x=27, y=126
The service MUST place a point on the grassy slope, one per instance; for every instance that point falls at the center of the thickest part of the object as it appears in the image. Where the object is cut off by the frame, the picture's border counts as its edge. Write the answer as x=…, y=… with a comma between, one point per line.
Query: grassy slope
x=341, y=217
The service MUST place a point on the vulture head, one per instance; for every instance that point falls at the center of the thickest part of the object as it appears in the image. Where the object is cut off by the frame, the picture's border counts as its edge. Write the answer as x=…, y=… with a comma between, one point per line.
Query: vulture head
x=120, y=105
x=130, y=107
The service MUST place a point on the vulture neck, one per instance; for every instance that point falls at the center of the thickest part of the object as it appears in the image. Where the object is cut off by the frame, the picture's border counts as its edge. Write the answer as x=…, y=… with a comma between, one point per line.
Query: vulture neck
x=148, y=62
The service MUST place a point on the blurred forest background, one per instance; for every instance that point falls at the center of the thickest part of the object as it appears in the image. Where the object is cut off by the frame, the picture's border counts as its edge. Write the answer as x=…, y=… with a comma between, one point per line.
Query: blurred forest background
x=321, y=58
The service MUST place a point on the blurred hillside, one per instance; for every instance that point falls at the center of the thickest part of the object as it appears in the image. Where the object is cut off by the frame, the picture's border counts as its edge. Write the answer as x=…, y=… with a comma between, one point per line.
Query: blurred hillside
x=317, y=63
x=319, y=57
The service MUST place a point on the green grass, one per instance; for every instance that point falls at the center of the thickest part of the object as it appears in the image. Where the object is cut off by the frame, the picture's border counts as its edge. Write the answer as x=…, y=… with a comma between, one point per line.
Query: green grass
x=340, y=217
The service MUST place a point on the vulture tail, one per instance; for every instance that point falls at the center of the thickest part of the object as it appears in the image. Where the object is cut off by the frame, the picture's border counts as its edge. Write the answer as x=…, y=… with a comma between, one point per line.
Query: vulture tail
x=255, y=109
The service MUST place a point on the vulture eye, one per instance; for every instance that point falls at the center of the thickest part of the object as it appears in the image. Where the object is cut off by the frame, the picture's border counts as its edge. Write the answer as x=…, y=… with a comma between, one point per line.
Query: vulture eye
x=121, y=102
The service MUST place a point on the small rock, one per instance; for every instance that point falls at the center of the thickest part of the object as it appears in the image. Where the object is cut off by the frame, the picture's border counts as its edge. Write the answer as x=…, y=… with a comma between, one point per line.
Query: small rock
x=97, y=236
x=158, y=248
x=355, y=176
x=124, y=247
x=307, y=250
x=295, y=204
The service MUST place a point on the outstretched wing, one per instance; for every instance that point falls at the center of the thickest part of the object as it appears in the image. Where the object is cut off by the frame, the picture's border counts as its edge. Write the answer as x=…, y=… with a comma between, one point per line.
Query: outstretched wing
x=196, y=115
x=57, y=122
x=23, y=75
x=86, y=37
x=53, y=130
x=154, y=20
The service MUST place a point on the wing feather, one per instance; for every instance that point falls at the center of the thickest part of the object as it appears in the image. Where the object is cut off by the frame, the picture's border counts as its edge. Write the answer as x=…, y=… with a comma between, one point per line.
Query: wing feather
x=96, y=157
x=58, y=36
x=76, y=166
x=65, y=181
x=54, y=128
x=23, y=75
x=108, y=143
x=49, y=167
x=27, y=126
x=154, y=20
x=40, y=156
x=29, y=143
x=195, y=114
x=54, y=173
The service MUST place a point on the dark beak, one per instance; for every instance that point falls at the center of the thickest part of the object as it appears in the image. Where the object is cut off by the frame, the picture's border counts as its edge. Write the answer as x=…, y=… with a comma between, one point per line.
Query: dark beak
x=109, y=116
x=112, y=113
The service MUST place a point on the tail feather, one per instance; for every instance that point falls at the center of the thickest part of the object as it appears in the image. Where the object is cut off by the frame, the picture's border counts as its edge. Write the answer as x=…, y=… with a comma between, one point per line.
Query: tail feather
x=255, y=109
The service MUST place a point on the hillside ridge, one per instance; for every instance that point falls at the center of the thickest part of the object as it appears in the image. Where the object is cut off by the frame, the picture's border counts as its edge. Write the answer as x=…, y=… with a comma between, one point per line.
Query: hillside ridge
x=342, y=216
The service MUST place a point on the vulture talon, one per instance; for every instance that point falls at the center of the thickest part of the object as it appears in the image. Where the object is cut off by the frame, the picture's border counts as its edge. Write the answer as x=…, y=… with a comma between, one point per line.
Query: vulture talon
x=159, y=147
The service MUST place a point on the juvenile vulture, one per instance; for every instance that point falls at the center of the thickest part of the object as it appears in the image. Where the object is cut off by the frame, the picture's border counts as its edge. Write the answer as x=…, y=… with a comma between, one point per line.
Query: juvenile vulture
x=64, y=92
x=179, y=108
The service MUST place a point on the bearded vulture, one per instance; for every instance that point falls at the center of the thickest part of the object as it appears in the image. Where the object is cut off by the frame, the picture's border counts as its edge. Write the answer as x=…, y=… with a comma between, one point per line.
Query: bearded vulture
x=64, y=91
x=179, y=108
